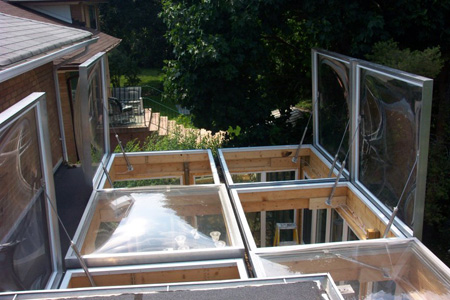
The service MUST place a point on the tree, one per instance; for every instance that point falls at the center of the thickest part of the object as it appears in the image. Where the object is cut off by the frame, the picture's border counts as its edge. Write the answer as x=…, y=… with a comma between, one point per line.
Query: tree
x=235, y=62
x=137, y=23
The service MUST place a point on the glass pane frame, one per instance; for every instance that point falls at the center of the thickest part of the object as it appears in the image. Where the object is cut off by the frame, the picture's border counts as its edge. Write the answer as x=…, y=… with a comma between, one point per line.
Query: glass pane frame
x=35, y=104
x=421, y=142
x=334, y=61
x=239, y=264
x=95, y=66
x=234, y=250
x=389, y=256
x=352, y=172
x=145, y=156
x=290, y=148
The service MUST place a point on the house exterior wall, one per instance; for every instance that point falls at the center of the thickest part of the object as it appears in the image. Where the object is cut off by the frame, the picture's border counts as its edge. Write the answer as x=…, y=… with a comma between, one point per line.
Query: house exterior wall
x=37, y=80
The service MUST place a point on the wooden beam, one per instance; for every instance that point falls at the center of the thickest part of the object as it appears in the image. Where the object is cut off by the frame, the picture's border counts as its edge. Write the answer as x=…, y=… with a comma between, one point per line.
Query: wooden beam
x=275, y=205
x=161, y=159
x=319, y=203
x=244, y=155
x=158, y=276
x=291, y=194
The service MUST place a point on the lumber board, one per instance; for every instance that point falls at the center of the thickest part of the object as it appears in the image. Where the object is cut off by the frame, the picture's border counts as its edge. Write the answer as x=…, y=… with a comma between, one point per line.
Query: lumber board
x=158, y=276
x=275, y=205
x=290, y=194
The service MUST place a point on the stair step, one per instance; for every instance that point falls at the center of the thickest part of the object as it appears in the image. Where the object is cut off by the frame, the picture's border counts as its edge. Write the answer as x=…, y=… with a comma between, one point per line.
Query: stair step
x=154, y=122
x=163, y=123
x=171, y=126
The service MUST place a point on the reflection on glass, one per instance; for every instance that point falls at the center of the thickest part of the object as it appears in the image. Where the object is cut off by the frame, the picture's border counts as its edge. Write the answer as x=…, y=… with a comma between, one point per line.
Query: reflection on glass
x=96, y=127
x=337, y=226
x=388, y=139
x=375, y=271
x=334, y=104
x=351, y=236
x=321, y=225
x=205, y=179
x=280, y=176
x=147, y=182
x=20, y=169
x=29, y=263
x=142, y=221
x=274, y=217
x=247, y=177
x=24, y=246
x=306, y=228
x=254, y=222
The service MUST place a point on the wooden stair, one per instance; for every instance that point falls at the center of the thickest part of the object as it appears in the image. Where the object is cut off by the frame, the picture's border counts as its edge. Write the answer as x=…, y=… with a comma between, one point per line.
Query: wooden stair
x=162, y=126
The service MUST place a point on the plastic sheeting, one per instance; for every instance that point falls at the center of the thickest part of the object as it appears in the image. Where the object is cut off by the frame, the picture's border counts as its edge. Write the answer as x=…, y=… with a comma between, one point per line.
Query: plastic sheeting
x=142, y=221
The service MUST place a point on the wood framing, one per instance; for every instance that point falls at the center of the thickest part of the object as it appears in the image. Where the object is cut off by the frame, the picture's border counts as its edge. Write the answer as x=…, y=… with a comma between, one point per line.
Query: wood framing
x=361, y=219
x=158, y=276
x=186, y=166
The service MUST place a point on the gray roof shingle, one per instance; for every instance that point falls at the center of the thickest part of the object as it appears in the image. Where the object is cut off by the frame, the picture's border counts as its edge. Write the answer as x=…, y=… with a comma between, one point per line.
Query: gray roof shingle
x=22, y=38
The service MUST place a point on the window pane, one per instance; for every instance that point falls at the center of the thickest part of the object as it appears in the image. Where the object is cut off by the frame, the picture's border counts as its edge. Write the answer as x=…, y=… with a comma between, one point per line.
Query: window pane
x=28, y=264
x=280, y=176
x=321, y=225
x=248, y=177
x=24, y=246
x=390, y=111
x=20, y=169
x=127, y=221
x=96, y=116
x=333, y=103
x=307, y=220
x=337, y=224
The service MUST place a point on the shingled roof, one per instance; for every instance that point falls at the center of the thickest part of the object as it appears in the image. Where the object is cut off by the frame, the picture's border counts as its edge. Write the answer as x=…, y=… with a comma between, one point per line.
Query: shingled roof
x=24, y=38
x=104, y=43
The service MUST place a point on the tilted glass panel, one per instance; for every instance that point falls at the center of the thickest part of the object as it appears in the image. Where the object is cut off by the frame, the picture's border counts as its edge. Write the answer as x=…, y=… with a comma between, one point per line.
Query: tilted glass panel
x=156, y=220
x=388, y=142
x=96, y=118
x=334, y=104
x=25, y=261
x=402, y=268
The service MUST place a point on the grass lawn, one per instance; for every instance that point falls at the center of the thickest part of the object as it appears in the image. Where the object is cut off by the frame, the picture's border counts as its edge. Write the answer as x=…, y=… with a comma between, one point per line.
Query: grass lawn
x=151, y=77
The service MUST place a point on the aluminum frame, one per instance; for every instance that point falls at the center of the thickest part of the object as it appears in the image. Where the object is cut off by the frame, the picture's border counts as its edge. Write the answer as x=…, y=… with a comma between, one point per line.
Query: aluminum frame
x=38, y=103
x=110, y=161
x=229, y=181
x=355, y=67
x=423, y=144
x=247, y=234
x=419, y=250
x=101, y=260
x=84, y=69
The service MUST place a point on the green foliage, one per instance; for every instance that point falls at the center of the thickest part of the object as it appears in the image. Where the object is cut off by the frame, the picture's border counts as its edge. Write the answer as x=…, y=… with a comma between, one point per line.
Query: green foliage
x=426, y=63
x=178, y=140
x=235, y=62
x=136, y=22
x=121, y=65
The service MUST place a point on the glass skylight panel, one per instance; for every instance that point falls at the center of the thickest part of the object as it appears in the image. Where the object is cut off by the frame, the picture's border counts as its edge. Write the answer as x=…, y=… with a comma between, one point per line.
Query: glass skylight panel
x=171, y=221
x=382, y=268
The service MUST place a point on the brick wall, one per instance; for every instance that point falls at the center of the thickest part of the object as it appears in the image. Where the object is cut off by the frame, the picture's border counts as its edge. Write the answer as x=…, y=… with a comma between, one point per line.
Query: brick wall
x=38, y=80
